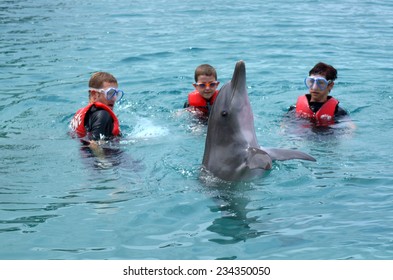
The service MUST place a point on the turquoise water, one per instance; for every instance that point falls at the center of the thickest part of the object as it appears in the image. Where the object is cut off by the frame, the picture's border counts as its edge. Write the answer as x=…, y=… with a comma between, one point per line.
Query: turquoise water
x=147, y=202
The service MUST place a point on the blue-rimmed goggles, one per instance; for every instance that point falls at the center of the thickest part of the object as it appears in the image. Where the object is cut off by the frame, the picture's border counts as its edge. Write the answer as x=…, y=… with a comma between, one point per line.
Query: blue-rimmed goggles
x=110, y=93
x=321, y=82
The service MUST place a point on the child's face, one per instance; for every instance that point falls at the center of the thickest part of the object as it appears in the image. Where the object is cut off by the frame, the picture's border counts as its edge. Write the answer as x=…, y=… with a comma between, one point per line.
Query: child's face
x=319, y=94
x=206, y=86
x=100, y=97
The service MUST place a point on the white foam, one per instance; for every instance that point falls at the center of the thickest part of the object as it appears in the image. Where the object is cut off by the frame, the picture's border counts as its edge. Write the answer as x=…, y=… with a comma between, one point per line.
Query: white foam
x=145, y=128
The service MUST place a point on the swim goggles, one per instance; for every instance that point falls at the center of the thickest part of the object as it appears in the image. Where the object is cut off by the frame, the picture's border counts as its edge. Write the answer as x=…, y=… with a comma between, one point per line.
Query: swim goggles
x=322, y=83
x=205, y=85
x=110, y=93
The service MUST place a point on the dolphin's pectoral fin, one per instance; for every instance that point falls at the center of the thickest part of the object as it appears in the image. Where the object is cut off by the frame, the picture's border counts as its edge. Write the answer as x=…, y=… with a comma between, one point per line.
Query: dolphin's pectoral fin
x=258, y=159
x=286, y=154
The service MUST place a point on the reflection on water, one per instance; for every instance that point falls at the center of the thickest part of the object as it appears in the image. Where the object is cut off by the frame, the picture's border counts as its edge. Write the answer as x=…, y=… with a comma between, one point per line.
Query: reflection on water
x=231, y=203
x=29, y=221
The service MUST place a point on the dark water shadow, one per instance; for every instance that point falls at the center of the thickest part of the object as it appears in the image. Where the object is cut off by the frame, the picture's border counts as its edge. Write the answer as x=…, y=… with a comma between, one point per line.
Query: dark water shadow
x=113, y=156
x=235, y=222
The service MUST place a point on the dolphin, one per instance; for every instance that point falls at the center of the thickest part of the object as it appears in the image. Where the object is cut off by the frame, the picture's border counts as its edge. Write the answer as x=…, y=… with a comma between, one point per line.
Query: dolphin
x=232, y=152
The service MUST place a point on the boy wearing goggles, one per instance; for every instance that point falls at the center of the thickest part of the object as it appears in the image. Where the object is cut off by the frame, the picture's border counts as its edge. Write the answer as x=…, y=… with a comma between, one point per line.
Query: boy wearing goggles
x=317, y=105
x=97, y=121
x=202, y=98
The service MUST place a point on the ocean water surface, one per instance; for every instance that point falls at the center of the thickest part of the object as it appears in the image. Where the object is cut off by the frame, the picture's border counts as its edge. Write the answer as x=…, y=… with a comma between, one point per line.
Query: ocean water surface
x=146, y=201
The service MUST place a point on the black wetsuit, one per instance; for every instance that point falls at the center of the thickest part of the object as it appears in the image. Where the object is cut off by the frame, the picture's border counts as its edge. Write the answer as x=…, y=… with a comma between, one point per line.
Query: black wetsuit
x=98, y=123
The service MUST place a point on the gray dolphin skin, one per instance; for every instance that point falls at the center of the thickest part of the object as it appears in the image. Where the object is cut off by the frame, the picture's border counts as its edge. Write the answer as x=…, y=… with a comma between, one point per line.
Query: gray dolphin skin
x=232, y=152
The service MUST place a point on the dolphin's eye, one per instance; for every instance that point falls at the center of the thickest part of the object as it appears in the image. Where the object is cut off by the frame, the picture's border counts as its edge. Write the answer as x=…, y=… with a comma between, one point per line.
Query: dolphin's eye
x=224, y=113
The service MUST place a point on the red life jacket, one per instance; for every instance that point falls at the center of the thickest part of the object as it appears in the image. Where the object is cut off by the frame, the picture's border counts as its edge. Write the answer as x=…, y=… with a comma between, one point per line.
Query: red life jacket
x=196, y=100
x=78, y=121
x=324, y=116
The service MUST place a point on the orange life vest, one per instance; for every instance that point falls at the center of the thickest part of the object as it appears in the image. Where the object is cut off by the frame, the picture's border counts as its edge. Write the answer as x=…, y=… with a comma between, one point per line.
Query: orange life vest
x=324, y=116
x=78, y=121
x=196, y=100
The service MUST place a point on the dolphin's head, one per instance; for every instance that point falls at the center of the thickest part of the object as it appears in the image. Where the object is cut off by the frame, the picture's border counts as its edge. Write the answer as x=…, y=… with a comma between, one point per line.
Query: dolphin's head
x=231, y=112
x=232, y=94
